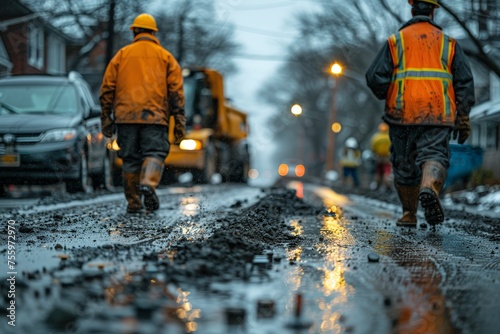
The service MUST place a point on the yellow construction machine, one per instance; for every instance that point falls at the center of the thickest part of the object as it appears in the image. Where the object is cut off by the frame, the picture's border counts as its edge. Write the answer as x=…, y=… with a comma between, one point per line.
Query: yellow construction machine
x=216, y=133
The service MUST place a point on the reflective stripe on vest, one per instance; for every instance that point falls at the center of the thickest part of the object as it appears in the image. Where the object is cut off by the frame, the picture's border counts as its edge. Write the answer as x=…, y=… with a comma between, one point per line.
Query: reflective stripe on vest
x=403, y=74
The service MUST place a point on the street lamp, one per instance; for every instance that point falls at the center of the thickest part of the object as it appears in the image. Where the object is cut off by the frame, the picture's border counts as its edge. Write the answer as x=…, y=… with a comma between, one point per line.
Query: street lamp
x=336, y=69
x=296, y=110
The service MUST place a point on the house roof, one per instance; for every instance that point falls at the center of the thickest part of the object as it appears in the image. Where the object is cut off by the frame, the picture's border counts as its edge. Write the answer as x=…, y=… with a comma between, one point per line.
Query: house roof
x=487, y=111
x=15, y=12
x=13, y=8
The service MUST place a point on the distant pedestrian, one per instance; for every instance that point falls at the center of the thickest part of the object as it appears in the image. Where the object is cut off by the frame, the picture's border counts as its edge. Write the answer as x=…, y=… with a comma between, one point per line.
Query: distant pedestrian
x=380, y=145
x=428, y=87
x=142, y=87
x=350, y=160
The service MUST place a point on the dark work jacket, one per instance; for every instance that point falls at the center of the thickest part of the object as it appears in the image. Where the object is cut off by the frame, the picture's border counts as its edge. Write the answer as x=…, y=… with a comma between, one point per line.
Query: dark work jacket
x=380, y=75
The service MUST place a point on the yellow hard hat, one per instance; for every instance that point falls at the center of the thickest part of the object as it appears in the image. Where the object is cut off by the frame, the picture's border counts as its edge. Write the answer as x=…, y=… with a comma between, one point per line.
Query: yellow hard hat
x=144, y=21
x=432, y=2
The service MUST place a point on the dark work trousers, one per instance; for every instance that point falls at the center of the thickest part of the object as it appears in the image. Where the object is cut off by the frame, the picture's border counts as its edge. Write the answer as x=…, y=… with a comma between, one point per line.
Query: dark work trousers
x=139, y=141
x=412, y=146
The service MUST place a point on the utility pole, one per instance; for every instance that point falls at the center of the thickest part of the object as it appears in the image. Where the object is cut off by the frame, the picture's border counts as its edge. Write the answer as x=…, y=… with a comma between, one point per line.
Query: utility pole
x=330, y=152
x=180, y=41
x=336, y=70
x=111, y=31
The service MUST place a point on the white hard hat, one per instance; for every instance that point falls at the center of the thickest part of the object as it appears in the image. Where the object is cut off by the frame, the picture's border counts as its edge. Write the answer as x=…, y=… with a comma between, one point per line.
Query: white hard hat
x=351, y=142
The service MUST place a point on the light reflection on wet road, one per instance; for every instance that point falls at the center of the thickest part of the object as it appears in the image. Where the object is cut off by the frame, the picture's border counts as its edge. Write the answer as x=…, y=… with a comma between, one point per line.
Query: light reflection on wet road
x=422, y=281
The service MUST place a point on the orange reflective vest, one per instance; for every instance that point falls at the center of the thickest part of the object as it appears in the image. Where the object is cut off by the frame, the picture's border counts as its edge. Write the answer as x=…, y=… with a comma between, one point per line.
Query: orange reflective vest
x=421, y=89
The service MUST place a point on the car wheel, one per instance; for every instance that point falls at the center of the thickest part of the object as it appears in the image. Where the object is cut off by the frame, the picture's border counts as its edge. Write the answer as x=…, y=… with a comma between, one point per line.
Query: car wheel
x=83, y=182
x=104, y=180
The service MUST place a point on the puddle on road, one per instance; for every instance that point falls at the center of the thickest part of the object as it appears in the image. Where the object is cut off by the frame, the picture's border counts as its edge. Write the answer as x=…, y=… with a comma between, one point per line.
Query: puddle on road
x=421, y=306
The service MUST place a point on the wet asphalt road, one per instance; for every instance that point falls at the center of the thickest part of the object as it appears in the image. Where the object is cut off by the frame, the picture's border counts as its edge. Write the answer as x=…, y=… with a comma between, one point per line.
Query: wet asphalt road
x=236, y=259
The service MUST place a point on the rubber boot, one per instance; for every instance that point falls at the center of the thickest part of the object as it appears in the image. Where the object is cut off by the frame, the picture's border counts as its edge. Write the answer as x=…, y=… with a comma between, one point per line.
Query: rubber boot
x=131, y=188
x=433, y=178
x=408, y=195
x=152, y=168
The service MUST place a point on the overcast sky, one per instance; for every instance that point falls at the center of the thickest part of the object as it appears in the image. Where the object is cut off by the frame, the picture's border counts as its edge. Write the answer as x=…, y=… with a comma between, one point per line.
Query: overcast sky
x=264, y=28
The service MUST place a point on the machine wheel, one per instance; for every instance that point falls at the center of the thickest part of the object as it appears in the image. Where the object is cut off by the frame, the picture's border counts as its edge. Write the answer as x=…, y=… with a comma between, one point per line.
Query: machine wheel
x=240, y=167
x=239, y=172
x=83, y=182
x=210, y=164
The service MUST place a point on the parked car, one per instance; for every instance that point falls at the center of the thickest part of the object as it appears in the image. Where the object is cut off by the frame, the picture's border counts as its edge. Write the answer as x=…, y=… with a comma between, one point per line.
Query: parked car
x=50, y=132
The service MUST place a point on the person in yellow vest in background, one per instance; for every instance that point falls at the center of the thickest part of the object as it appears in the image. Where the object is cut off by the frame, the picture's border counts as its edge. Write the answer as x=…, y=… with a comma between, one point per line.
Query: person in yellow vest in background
x=428, y=88
x=350, y=160
x=141, y=88
x=380, y=145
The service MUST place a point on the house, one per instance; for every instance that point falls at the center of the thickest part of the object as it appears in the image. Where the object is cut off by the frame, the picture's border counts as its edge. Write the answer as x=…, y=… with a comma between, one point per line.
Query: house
x=29, y=44
x=485, y=124
x=485, y=115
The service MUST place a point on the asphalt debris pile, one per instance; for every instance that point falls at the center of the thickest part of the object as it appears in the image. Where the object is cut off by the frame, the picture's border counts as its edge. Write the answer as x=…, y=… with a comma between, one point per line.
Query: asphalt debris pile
x=256, y=230
x=94, y=286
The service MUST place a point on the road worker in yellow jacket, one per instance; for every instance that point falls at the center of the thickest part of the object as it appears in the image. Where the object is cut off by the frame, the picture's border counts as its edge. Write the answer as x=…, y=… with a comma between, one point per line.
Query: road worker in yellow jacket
x=380, y=144
x=428, y=87
x=141, y=88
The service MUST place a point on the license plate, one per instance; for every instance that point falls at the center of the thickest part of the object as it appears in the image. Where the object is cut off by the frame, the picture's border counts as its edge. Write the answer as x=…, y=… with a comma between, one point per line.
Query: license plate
x=10, y=160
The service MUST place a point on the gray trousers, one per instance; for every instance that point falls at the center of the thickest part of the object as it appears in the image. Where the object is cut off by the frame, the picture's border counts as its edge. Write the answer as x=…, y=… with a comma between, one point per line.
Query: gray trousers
x=139, y=141
x=412, y=146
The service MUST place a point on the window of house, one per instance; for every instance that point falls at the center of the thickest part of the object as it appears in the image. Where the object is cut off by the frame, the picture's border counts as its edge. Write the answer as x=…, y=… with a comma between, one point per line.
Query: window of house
x=475, y=139
x=35, y=46
x=492, y=136
x=56, y=57
x=5, y=64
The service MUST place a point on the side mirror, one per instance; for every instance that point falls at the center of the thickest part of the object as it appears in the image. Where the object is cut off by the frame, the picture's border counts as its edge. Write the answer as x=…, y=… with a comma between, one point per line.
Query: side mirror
x=95, y=111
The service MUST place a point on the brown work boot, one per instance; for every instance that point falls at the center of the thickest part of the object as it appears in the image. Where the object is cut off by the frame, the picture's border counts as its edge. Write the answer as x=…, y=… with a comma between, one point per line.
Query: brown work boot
x=433, y=178
x=152, y=168
x=131, y=188
x=408, y=195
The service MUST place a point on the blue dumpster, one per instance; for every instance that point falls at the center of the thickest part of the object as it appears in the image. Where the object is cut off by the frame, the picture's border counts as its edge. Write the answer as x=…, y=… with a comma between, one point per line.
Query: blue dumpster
x=464, y=160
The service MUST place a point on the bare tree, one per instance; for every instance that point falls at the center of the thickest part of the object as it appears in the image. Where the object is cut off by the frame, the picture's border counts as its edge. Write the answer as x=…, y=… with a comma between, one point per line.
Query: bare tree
x=352, y=33
x=191, y=31
x=187, y=27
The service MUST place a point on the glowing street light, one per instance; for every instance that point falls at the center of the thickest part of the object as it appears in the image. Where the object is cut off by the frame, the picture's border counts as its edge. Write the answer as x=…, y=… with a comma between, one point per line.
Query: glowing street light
x=336, y=127
x=336, y=69
x=296, y=110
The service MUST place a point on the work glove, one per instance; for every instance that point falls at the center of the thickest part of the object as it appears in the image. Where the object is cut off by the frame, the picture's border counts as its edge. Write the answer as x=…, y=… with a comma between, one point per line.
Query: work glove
x=108, y=126
x=462, y=128
x=179, y=131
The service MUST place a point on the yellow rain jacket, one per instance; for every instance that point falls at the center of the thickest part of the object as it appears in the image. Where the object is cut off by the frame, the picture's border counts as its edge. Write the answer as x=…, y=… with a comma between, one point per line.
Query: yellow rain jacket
x=380, y=144
x=143, y=84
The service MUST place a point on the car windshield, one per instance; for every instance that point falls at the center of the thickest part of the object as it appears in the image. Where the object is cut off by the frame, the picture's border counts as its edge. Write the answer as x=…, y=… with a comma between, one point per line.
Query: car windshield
x=46, y=99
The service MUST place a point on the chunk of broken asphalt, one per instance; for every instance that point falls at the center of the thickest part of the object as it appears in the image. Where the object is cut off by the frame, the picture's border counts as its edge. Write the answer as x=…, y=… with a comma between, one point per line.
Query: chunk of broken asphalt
x=373, y=257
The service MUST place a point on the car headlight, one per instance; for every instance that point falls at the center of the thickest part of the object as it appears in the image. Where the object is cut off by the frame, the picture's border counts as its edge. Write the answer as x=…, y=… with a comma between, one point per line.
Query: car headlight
x=59, y=135
x=190, y=145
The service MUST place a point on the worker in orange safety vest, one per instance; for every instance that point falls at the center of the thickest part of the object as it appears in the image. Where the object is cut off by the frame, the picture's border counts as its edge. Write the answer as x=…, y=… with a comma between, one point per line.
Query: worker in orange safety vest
x=142, y=87
x=427, y=84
